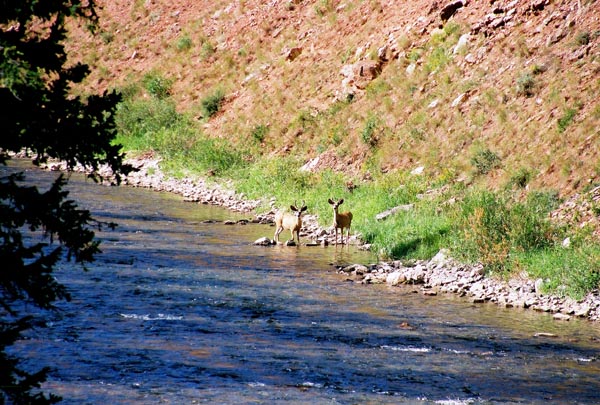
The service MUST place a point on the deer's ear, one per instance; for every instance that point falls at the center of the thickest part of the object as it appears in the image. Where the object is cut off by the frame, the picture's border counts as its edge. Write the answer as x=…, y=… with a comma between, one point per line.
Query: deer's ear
x=331, y=201
x=303, y=208
x=293, y=208
x=341, y=201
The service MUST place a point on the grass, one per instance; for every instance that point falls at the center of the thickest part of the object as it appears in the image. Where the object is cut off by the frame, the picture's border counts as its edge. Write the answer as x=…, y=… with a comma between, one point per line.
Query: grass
x=507, y=231
x=564, y=272
x=505, y=227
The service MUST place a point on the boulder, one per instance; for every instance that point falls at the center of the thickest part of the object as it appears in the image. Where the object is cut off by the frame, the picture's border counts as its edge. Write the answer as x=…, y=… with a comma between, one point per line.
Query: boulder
x=450, y=9
x=292, y=53
x=264, y=241
x=396, y=278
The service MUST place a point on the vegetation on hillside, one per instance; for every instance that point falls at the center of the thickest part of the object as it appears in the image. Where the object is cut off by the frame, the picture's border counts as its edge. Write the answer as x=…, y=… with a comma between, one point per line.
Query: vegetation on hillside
x=503, y=119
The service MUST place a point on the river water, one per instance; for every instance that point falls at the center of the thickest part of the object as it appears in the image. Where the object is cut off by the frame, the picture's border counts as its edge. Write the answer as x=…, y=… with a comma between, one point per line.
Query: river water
x=181, y=308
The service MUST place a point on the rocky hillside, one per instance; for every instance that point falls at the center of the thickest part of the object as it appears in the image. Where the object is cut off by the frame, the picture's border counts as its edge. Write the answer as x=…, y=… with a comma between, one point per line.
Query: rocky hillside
x=490, y=91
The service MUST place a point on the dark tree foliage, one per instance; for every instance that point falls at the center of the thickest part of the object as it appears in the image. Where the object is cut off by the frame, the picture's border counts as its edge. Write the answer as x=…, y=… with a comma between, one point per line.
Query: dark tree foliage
x=40, y=115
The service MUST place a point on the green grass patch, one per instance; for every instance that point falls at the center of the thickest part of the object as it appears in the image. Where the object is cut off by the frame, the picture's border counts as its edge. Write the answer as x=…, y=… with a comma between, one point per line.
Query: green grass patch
x=496, y=226
x=139, y=120
x=370, y=132
x=569, y=272
x=156, y=125
x=417, y=233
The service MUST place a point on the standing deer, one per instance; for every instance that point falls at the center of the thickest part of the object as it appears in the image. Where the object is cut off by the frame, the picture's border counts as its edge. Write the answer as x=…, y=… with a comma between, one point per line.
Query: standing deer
x=292, y=221
x=341, y=220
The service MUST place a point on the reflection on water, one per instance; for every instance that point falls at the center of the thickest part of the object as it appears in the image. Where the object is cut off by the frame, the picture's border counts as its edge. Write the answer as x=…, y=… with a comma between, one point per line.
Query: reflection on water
x=178, y=310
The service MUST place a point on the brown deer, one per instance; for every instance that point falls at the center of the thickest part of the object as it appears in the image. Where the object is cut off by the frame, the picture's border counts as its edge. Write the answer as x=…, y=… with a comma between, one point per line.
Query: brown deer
x=341, y=220
x=292, y=221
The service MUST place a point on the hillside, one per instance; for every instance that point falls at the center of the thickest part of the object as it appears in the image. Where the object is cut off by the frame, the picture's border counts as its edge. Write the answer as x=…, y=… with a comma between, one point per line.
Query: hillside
x=431, y=83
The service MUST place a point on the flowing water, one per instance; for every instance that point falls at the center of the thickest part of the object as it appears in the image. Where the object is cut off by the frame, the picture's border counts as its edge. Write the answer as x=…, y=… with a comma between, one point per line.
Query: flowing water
x=181, y=309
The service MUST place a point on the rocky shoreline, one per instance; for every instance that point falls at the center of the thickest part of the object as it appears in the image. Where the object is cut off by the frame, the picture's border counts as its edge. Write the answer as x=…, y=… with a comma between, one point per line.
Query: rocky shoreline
x=440, y=275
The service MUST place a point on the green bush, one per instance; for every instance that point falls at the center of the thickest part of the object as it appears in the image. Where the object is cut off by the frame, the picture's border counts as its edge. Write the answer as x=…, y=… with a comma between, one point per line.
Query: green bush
x=484, y=161
x=259, y=133
x=369, y=132
x=494, y=227
x=211, y=104
x=530, y=227
x=207, y=49
x=566, y=119
x=583, y=38
x=184, y=43
x=520, y=178
x=484, y=222
x=525, y=85
x=158, y=86
x=140, y=117
x=215, y=156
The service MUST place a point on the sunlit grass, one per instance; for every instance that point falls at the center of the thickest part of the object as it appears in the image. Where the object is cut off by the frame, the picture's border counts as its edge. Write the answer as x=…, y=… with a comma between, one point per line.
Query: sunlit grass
x=267, y=130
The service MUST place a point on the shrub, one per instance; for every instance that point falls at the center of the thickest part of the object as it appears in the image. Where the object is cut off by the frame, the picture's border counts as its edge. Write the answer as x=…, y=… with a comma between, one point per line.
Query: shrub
x=484, y=161
x=207, y=49
x=583, y=38
x=157, y=85
x=525, y=85
x=212, y=103
x=484, y=219
x=530, y=228
x=260, y=132
x=140, y=117
x=495, y=227
x=184, y=43
x=369, y=135
x=216, y=156
x=566, y=119
x=304, y=119
x=520, y=178
x=107, y=37
x=438, y=59
x=323, y=7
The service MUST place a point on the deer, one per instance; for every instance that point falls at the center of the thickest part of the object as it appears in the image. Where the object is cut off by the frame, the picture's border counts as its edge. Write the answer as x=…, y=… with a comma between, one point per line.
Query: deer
x=341, y=220
x=292, y=221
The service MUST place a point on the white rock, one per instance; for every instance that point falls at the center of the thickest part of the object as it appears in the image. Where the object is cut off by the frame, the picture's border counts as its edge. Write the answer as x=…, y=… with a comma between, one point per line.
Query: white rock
x=561, y=317
x=395, y=278
x=418, y=171
x=264, y=241
x=462, y=43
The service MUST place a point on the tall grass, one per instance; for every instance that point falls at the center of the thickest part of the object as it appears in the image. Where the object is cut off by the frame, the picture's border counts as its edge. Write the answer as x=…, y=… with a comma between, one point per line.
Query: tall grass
x=497, y=226
x=155, y=124
x=569, y=272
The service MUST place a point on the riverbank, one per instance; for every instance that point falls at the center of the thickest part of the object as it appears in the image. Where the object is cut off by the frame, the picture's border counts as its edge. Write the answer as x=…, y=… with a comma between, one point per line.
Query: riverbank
x=440, y=275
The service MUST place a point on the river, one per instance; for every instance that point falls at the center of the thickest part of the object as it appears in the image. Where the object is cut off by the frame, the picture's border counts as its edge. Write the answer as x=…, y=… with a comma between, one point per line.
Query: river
x=181, y=308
